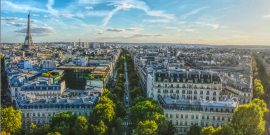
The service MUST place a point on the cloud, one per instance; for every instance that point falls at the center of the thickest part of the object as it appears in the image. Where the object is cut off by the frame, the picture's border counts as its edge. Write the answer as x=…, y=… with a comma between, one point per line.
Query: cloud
x=114, y=30
x=136, y=4
x=123, y=30
x=212, y=25
x=133, y=29
x=11, y=7
x=194, y=12
x=49, y=6
x=266, y=16
x=11, y=18
x=88, y=7
x=145, y=35
x=37, y=30
x=10, y=23
x=156, y=20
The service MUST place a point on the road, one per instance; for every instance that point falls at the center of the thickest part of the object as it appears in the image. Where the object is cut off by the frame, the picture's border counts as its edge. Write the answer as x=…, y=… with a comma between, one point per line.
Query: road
x=127, y=95
x=126, y=101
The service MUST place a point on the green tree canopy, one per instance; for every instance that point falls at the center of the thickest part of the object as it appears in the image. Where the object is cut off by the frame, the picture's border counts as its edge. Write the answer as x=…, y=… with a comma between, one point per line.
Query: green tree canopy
x=258, y=88
x=81, y=126
x=11, y=120
x=146, y=109
x=100, y=128
x=63, y=123
x=248, y=119
x=210, y=130
x=147, y=127
x=166, y=128
x=54, y=133
x=104, y=110
x=91, y=77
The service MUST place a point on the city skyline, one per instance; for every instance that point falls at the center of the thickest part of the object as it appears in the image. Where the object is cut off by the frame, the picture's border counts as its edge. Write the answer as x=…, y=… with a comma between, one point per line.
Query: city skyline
x=223, y=22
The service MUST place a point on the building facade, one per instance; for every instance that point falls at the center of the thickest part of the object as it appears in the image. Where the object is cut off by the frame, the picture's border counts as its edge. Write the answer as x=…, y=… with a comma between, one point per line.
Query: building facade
x=192, y=98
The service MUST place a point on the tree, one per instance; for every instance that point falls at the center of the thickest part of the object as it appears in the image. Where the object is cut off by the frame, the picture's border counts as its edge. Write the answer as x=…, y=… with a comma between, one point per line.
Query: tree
x=261, y=104
x=194, y=130
x=166, y=128
x=226, y=130
x=54, y=133
x=91, y=77
x=100, y=128
x=147, y=127
x=4, y=133
x=104, y=110
x=34, y=130
x=248, y=119
x=63, y=122
x=117, y=127
x=146, y=109
x=11, y=120
x=81, y=126
x=209, y=131
x=259, y=90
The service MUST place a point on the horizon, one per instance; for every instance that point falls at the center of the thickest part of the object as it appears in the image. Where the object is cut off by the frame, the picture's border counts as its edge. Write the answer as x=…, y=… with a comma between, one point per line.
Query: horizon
x=226, y=22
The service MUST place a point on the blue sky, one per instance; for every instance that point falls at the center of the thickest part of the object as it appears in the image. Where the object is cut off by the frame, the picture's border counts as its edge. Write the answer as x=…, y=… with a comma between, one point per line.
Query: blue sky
x=221, y=22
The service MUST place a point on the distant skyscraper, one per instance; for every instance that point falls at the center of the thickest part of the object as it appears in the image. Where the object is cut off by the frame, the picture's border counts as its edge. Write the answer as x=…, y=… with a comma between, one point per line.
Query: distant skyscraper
x=28, y=39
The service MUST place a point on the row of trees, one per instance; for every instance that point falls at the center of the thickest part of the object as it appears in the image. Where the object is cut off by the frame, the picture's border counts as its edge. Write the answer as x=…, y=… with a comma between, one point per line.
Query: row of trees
x=258, y=89
x=134, y=85
x=119, y=87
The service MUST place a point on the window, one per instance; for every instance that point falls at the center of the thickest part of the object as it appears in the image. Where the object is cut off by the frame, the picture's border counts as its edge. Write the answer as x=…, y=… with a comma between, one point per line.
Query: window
x=177, y=115
x=183, y=92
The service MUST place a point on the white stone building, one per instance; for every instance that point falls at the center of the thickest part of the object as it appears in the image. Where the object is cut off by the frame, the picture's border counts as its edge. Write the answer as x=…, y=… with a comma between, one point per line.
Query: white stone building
x=192, y=98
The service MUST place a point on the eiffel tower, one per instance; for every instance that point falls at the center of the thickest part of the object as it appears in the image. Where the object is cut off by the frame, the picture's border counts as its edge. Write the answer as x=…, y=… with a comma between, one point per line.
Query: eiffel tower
x=28, y=39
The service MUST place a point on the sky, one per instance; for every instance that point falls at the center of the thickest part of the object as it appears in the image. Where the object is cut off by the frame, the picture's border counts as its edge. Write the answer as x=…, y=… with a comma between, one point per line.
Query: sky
x=216, y=22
